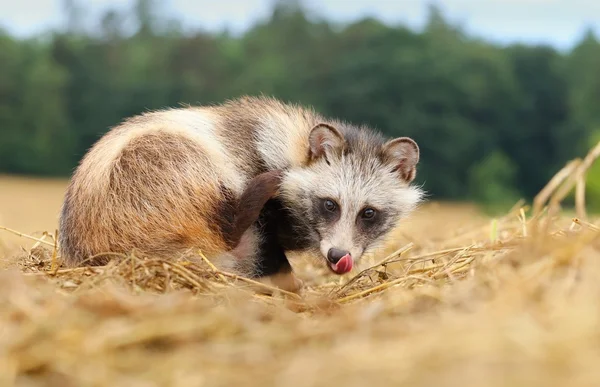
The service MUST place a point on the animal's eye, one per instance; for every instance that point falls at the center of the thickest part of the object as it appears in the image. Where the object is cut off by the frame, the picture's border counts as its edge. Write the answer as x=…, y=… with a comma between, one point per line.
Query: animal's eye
x=368, y=213
x=329, y=205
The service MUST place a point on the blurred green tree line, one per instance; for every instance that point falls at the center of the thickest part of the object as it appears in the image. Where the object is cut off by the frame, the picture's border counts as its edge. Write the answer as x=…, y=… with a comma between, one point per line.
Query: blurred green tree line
x=494, y=122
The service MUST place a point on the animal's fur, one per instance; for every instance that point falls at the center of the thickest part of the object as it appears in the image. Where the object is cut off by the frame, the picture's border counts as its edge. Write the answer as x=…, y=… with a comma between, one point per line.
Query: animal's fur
x=223, y=178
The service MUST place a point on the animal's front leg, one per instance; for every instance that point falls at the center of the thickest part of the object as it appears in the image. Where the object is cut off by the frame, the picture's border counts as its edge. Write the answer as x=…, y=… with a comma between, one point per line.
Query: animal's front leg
x=272, y=265
x=255, y=235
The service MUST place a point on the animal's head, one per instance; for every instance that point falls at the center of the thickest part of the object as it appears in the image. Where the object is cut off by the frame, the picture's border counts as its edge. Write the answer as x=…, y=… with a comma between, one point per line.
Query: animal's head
x=354, y=188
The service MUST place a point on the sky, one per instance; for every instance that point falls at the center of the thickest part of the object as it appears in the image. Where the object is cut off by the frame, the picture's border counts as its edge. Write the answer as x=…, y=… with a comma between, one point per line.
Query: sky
x=557, y=22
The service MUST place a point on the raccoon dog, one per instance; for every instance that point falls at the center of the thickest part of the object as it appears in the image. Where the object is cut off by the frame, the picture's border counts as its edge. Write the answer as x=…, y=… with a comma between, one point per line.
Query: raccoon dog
x=245, y=182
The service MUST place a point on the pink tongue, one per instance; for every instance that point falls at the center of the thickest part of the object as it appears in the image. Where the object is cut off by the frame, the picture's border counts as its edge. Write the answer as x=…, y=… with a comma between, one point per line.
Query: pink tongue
x=344, y=265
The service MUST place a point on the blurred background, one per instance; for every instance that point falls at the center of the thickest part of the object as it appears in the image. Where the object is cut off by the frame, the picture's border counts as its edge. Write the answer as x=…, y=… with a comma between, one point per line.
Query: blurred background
x=499, y=94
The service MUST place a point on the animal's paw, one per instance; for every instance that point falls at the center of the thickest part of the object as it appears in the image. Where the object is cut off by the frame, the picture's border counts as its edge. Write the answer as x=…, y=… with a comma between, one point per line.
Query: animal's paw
x=284, y=281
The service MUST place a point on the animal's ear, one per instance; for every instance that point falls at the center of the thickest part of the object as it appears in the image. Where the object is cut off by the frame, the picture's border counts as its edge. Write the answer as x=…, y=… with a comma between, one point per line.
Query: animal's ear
x=403, y=154
x=324, y=140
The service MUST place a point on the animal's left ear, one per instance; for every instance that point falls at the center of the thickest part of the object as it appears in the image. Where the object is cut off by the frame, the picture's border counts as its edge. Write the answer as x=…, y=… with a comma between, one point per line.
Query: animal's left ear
x=403, y=154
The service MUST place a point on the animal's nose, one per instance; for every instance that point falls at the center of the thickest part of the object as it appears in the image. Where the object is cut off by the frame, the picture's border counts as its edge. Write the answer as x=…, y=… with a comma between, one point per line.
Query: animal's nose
x=334, y=255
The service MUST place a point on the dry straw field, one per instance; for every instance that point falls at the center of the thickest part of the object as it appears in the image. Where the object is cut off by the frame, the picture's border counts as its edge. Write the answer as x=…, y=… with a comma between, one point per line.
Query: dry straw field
x=456, y=299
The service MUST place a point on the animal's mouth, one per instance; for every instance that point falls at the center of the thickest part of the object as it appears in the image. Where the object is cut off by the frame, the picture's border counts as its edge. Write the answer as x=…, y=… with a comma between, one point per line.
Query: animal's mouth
x=343, y=266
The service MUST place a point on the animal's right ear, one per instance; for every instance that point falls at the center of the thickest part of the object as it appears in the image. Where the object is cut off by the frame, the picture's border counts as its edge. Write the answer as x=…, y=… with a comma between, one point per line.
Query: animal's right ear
x=324, y=140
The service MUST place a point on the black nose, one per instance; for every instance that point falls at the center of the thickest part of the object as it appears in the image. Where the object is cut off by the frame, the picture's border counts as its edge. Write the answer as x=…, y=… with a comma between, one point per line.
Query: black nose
x=334, y=255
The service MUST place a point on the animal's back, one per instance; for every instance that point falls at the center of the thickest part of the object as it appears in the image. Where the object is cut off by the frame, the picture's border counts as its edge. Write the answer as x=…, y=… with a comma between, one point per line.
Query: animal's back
x=167, y=181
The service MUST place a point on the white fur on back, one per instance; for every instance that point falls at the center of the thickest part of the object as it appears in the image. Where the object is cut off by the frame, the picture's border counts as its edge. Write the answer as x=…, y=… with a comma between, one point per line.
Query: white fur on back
x=196, y=124
x=283, y=139
x=200, y=124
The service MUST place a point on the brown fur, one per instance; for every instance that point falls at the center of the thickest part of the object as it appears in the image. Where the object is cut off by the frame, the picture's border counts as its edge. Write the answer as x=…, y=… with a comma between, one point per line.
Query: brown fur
x=258, y=191
x=152, y=203
x=150, y=187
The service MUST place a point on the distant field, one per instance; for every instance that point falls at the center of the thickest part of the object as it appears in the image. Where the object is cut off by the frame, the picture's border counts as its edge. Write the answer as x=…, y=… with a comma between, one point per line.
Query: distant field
x=29, y=205
x=471, y=302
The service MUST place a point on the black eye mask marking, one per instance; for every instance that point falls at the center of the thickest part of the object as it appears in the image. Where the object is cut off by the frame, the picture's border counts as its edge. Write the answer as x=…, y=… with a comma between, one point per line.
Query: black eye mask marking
x=326, y=210
x=371, y=222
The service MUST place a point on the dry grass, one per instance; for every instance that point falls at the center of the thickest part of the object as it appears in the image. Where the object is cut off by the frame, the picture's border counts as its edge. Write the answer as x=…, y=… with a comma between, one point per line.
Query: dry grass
x=464, y=301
